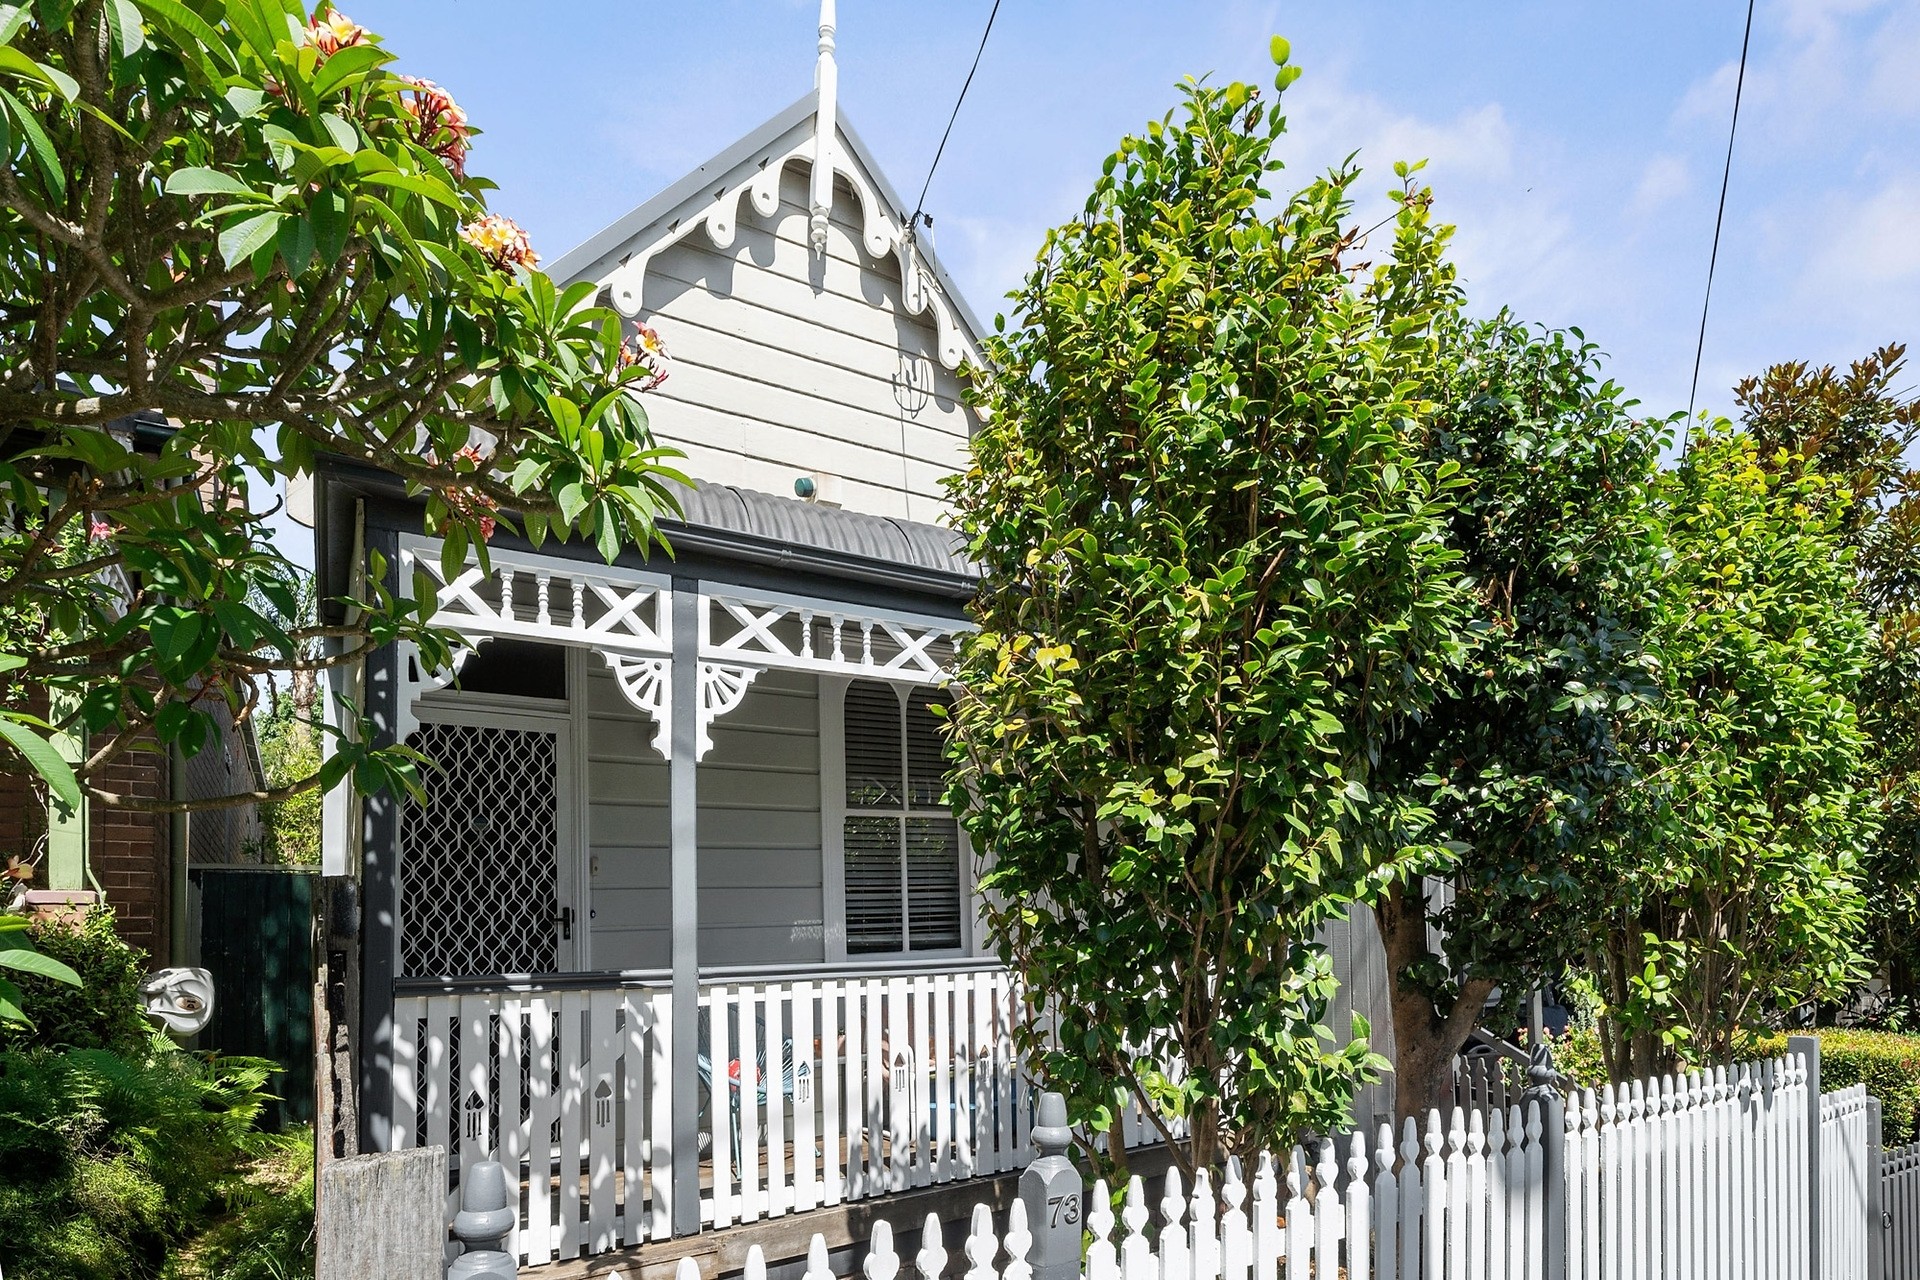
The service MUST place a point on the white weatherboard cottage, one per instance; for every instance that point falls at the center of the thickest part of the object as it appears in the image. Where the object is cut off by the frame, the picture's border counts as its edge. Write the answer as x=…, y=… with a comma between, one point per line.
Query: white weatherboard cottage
x=685, y=936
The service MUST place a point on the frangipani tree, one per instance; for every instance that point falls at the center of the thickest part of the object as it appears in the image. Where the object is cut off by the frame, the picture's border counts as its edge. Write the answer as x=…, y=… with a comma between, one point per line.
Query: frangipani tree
x=230, y=217
x=1215, y=576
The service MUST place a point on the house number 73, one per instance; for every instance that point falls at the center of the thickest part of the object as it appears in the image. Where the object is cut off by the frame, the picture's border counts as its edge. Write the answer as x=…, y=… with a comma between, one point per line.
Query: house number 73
x=1063, y=1210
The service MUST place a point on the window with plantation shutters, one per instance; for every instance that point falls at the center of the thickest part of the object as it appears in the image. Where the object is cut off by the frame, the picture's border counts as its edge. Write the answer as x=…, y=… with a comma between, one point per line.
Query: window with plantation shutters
x=901, y=845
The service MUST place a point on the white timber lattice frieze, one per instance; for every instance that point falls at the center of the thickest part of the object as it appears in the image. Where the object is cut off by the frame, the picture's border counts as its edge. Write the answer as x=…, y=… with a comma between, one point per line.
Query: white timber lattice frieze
x=835, y=638
x=542, y=598
x=626, y=616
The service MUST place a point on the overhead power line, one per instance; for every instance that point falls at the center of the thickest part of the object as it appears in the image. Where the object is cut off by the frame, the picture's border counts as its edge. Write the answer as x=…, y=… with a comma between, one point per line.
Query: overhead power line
x=1719, y=217
x=919, y=206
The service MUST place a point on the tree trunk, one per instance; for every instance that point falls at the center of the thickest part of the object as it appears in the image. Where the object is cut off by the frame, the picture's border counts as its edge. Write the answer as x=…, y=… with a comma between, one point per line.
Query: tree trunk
x=1425, y=1038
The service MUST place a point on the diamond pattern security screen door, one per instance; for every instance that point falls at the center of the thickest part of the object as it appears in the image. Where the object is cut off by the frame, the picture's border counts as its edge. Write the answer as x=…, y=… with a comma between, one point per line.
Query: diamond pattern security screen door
x=479, y=863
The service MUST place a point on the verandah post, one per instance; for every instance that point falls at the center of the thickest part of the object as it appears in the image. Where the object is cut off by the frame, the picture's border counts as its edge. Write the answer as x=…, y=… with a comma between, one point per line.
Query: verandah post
x=1808, y=1047
x=682, y=799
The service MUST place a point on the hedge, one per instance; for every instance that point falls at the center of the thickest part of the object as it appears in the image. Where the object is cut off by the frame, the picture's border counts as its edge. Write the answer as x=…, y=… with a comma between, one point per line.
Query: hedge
x=1888, y=1064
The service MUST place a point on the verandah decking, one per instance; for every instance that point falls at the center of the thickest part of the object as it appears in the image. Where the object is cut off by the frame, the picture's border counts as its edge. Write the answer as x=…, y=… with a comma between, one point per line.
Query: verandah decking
x=839, y=1085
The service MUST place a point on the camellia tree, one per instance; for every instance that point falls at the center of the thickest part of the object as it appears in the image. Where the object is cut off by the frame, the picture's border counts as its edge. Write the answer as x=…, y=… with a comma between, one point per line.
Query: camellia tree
x=1855, y=427
x=232, y=241
x=1520, y=759
x=1741, y=859
x=1216, y=576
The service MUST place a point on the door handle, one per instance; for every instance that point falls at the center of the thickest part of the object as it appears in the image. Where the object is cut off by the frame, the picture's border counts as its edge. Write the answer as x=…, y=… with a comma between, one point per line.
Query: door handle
x=565, y=921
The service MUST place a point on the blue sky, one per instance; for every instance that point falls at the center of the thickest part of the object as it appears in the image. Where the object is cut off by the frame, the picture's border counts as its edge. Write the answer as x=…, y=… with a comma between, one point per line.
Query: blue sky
x=1576, y=145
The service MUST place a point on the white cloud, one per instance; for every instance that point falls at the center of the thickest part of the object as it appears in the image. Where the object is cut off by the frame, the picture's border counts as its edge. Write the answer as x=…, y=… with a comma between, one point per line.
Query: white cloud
x=1666, y=178
x=1867, y=252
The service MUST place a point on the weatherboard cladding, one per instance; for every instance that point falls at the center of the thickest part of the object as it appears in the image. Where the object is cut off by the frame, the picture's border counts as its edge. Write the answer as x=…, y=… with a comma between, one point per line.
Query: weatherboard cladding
x=787, y=362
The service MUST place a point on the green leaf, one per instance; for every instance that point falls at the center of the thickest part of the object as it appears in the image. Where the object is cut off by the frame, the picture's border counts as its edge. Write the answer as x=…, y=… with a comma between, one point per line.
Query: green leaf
x=352, y=62
x=251, y=22
x=38, y=144
x=45, y=761
x=340, y=131
x=438, y=192
x=572, y=499
x=198, y=34
x=1280, y=50
x=14, y=62
x=123, y=23
x=241, y=240
x=332, y=221
x=12, y=18
x=21, y=960
x=204, y=182
x=296, y=243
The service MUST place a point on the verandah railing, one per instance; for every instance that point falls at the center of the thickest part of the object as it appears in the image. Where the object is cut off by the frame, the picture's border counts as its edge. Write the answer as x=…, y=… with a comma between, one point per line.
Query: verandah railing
x=815, y=1088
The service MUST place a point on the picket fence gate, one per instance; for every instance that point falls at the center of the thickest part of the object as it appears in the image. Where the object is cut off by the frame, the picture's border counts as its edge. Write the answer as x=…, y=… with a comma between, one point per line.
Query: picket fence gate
x=1702, y=1176
x=1900, y=1211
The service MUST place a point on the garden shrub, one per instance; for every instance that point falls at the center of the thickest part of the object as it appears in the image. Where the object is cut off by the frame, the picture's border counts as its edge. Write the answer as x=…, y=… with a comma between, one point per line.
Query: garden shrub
x=268, y=1231
x=108, y=1162
x=1578, y=1056
x=1888, y=1064
x=104, y=1011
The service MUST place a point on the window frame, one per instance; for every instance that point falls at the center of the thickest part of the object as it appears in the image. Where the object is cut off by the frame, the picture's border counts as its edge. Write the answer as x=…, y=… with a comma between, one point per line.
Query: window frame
x=834, y=812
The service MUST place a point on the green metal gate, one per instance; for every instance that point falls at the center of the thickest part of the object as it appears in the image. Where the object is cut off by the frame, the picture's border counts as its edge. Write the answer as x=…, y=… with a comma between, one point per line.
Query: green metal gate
x=255, y=937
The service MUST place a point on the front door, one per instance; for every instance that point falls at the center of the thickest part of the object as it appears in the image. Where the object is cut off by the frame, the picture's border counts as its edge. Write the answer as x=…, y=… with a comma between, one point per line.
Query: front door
x=482, y=883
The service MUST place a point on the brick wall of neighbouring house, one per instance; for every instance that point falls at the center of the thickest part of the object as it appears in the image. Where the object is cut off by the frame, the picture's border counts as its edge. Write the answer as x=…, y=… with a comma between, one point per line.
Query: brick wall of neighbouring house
x=126, y=850
x=129, y=852
x=20, y=828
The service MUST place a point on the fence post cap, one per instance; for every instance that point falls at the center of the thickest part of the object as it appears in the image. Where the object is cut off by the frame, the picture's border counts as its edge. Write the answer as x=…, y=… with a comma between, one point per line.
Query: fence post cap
x=1543, y=1078
x=1051, y=1136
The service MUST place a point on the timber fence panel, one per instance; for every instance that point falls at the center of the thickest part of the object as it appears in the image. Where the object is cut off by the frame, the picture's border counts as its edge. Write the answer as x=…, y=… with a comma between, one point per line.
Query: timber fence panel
x=1900, y=1202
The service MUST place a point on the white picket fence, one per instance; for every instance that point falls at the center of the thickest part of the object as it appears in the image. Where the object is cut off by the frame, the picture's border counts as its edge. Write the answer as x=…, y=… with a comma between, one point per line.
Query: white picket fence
x=1694, y=1177
x=1846, y=1148
x=814, y=1091
x=1900, y=1204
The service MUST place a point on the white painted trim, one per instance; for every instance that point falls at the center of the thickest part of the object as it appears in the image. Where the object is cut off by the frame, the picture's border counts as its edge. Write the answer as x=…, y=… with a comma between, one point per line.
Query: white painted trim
x=848, y=640
x=922, y=289
x=578, y=728
x=624, y=598
x=833, y=815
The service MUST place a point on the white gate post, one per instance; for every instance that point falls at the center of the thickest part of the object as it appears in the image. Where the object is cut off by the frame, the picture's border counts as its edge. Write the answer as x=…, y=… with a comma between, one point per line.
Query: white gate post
x=1808, y=1047
x=1876, y=1213
x=1051, y=1191
x=1543, y=1088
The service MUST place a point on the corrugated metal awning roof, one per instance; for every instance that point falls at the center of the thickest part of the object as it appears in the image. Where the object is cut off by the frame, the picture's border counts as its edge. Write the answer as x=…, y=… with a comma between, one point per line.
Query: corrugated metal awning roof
x=810, y=524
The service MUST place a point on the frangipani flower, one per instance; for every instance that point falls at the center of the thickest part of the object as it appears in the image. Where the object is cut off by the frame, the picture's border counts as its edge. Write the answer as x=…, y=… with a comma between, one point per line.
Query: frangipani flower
x=439, y=124
x=330, y=31
x=467, y=503
x=502, y=241
x=645, y=349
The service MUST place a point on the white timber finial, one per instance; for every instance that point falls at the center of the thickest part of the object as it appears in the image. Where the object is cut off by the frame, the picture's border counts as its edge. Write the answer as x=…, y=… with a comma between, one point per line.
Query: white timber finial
x=826, y=83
